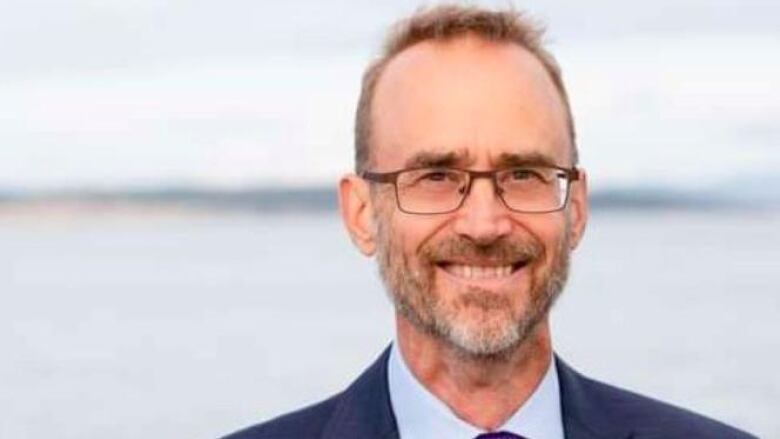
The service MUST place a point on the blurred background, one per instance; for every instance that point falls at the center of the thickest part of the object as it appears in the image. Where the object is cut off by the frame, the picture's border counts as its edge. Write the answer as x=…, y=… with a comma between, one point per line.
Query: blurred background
x=172, y=264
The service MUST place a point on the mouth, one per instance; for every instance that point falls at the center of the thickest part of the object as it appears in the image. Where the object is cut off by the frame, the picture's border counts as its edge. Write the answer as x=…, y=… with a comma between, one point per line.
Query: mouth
x=482, y=271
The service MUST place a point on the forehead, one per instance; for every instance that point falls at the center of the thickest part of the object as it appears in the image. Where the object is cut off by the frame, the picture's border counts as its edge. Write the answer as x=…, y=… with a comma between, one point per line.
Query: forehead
x=473, y=100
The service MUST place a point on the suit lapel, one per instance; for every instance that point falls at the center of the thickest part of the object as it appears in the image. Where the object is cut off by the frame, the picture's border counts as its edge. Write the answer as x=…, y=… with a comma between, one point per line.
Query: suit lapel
x=364, y=409
x=583, y=416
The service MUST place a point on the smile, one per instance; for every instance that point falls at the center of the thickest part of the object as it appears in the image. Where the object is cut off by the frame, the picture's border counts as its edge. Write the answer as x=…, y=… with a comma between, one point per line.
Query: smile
x=479, y=272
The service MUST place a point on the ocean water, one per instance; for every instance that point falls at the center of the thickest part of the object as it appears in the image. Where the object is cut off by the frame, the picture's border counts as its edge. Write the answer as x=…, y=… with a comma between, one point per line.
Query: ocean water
x=192, y=326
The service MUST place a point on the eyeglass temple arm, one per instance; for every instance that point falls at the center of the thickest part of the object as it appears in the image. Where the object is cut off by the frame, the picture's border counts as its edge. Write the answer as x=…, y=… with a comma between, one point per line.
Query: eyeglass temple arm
x=380, y=177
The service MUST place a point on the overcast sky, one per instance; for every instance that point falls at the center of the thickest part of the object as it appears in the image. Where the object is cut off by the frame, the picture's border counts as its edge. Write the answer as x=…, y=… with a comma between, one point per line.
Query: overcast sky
x=117, y=93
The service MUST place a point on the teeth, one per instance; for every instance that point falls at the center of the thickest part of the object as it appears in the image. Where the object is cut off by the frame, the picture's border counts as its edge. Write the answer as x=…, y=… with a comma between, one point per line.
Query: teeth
x=477, y=272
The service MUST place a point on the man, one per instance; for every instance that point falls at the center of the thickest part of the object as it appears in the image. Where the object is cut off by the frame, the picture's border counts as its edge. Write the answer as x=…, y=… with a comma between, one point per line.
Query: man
x=468, y=192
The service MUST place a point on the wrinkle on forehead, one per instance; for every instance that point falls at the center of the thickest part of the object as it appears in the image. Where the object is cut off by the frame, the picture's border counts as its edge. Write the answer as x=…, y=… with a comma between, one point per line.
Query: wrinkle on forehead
x=463, y=159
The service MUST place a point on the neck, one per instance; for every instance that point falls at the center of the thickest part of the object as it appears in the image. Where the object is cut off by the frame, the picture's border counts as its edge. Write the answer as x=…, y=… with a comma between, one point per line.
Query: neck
x=484, y=392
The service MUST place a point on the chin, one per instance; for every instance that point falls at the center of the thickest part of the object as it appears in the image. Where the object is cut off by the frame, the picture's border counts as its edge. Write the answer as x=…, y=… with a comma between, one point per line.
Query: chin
x=483, y=326
x=483, y=343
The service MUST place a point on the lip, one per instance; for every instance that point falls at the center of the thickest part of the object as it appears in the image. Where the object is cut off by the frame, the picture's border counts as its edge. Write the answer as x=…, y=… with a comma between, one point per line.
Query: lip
x=496, y=283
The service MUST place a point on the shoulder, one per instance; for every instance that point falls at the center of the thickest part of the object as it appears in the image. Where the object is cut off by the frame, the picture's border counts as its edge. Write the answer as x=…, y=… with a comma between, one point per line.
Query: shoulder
x=362, y=410
x=303, y=423
x=644, y=416
x=654, y=417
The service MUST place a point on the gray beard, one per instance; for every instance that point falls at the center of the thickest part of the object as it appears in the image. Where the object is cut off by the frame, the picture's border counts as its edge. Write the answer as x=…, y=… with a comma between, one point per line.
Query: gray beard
x=412, y=293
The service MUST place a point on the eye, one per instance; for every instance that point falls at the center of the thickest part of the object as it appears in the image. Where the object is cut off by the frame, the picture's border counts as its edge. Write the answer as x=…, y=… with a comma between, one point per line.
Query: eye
x=436, y=175
x=431, y=178
x=524, y=174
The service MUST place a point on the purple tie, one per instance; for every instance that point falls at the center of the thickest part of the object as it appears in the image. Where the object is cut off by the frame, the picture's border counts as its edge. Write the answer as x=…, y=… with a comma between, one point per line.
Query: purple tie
x=499, y=435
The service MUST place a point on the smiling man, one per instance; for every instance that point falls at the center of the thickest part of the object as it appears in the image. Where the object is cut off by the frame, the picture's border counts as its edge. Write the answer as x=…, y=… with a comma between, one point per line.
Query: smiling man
x=469, y=194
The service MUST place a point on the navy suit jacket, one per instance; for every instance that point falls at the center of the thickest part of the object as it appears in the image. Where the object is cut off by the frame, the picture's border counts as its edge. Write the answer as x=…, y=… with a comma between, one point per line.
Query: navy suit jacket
x=590, y=410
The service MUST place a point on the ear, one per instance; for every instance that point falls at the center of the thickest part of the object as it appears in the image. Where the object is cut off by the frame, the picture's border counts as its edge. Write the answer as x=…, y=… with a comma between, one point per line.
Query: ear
x=357, y=212
x=578, y=208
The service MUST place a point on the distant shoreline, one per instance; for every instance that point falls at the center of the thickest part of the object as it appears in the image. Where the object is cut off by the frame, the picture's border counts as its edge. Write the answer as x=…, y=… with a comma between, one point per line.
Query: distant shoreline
x=179, y=201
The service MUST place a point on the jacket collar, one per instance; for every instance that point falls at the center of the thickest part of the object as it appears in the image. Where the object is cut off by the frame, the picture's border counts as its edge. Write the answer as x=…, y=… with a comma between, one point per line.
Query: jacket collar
x=364, y=409
x=584, y=415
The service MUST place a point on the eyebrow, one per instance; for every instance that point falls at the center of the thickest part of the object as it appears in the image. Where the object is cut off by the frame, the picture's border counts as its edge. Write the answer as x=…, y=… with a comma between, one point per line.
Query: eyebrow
x=506, y=160
x=430, y=159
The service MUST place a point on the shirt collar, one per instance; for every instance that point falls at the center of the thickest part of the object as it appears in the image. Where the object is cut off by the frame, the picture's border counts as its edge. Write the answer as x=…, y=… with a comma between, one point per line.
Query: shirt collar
x=420, y=415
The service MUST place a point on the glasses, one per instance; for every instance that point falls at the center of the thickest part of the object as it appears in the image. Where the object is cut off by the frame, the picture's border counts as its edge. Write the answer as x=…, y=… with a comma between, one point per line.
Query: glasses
x=432, y=190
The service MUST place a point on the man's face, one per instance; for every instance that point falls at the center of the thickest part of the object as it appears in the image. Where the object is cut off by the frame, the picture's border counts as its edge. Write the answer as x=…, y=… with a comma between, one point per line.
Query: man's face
x=482, y=277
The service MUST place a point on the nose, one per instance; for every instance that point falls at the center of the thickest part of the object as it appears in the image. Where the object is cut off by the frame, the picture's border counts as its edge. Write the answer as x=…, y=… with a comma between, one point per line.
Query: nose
x=483, y=217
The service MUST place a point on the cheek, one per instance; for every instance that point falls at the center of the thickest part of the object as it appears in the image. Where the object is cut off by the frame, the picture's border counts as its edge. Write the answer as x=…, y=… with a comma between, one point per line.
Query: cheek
x=411, y=233
x=550, y=231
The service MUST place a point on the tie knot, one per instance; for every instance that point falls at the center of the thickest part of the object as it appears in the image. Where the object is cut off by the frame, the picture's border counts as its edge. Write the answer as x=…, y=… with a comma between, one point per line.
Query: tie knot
x=499, y=435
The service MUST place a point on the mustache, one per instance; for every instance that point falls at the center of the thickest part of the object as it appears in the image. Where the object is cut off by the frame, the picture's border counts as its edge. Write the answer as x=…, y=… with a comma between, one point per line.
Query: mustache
x=503, y=251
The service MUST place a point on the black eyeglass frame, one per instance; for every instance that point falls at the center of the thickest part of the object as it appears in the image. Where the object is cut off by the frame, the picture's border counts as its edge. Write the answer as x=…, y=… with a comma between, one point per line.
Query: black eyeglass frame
x=571, y=174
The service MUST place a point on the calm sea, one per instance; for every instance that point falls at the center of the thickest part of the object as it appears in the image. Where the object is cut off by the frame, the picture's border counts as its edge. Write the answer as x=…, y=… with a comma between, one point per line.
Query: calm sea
x=191, y=326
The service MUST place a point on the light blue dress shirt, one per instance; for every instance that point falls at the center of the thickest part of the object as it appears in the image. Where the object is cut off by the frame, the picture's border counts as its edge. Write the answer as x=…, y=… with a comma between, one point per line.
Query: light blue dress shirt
x=420, y=415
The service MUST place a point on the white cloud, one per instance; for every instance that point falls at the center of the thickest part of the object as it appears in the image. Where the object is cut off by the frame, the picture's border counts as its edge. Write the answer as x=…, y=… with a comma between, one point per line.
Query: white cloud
x=139, y=93
x=676, y=109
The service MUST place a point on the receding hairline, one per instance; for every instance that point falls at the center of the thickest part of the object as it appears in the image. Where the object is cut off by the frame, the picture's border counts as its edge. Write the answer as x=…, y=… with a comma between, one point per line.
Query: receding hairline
x=465, y=43
x=421, y=68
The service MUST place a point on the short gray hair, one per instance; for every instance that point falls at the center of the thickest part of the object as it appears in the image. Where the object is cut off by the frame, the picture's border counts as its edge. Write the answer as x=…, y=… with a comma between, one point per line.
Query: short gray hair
x=446, y=22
